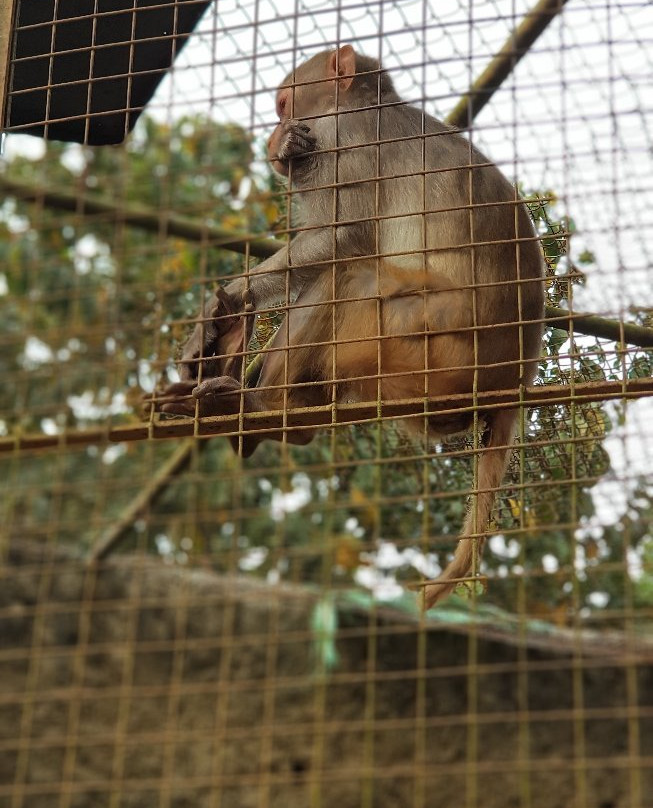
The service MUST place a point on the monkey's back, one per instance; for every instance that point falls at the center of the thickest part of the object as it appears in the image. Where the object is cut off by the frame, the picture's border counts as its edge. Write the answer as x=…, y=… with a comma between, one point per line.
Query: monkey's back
x=471, y=228
x=420, y=197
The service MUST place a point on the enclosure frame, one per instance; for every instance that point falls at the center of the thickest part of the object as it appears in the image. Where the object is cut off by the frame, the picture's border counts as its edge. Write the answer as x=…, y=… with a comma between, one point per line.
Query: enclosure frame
x=163, y=600
x=7, y=8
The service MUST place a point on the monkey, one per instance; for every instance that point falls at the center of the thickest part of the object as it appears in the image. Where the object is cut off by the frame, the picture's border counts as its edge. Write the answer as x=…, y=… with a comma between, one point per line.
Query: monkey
x=416, y=273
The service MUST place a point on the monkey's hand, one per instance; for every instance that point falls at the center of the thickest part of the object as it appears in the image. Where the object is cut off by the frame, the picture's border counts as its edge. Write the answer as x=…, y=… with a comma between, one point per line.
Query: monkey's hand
x=205, y=344
x=219, y=344
x=291, y=140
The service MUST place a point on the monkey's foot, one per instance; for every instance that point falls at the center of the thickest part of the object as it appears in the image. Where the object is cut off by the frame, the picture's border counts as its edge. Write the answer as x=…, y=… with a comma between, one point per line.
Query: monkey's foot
x=295, y=141
x=206, y=343
x=223, y=395
x=217, y=396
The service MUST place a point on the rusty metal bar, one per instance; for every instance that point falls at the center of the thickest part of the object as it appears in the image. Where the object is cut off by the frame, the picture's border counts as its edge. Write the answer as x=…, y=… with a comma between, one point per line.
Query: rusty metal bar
x=502, y=65
x=7, y=8
x=275, y=424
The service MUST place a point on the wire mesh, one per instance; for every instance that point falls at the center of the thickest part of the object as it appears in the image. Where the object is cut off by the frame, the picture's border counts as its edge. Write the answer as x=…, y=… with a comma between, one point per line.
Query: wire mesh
x=182, y=624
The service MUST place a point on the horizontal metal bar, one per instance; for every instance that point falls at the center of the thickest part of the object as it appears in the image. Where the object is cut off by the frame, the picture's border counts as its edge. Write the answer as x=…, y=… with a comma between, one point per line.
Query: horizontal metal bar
x=275, y=424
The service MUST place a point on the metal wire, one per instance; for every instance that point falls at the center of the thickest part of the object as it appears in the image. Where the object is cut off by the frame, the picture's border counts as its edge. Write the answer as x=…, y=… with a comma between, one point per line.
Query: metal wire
x=180, y=625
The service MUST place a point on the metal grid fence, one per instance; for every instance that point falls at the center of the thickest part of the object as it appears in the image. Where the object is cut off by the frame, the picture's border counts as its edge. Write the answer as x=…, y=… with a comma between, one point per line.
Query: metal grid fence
x=181, y=625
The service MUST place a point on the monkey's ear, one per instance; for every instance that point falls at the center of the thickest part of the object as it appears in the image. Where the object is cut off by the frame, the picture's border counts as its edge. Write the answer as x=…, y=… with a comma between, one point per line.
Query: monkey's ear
x=342, y=66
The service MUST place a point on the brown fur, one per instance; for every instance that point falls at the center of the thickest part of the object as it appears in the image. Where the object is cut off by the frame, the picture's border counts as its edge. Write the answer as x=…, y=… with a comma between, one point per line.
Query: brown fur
x=453, y=307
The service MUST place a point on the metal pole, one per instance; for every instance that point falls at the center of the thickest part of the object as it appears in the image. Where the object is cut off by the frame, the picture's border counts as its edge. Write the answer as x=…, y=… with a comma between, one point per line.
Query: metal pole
x=6, y=29
x=502, y=65
x=299, y=420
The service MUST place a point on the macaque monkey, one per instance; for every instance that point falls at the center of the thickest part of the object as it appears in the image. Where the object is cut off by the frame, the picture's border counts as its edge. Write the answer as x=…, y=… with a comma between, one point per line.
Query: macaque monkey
x=417, y=274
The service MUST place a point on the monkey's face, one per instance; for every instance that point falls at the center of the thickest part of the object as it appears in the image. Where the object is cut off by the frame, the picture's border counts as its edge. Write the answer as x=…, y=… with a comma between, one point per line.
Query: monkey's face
x=310, y=92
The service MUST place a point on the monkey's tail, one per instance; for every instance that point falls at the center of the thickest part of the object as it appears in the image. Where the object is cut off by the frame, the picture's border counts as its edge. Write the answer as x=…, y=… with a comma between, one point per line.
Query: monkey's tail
x=491, y=468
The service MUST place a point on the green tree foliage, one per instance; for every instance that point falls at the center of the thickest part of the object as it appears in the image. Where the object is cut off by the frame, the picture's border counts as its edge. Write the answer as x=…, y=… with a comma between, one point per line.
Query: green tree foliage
x=91, y=312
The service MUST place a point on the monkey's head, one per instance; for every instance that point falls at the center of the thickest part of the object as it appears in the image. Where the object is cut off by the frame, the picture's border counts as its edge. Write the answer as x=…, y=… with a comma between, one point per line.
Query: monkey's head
x=331, y=80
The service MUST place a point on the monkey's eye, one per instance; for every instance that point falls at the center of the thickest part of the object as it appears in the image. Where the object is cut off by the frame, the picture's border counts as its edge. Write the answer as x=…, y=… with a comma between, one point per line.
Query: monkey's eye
x=281, y=106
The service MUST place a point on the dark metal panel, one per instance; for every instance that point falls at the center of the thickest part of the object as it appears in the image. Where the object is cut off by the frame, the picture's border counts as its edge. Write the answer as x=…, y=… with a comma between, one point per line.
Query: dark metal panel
x=83, y=70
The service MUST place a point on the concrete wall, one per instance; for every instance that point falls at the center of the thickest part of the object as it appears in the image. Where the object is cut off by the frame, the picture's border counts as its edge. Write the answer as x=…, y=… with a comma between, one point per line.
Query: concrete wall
x=137, y=684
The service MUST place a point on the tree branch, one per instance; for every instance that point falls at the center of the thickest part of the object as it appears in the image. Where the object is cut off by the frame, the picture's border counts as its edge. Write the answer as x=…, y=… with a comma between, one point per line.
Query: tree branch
x=160, y=222
x=167, y=224
x=145, y=499
x=591, y=324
